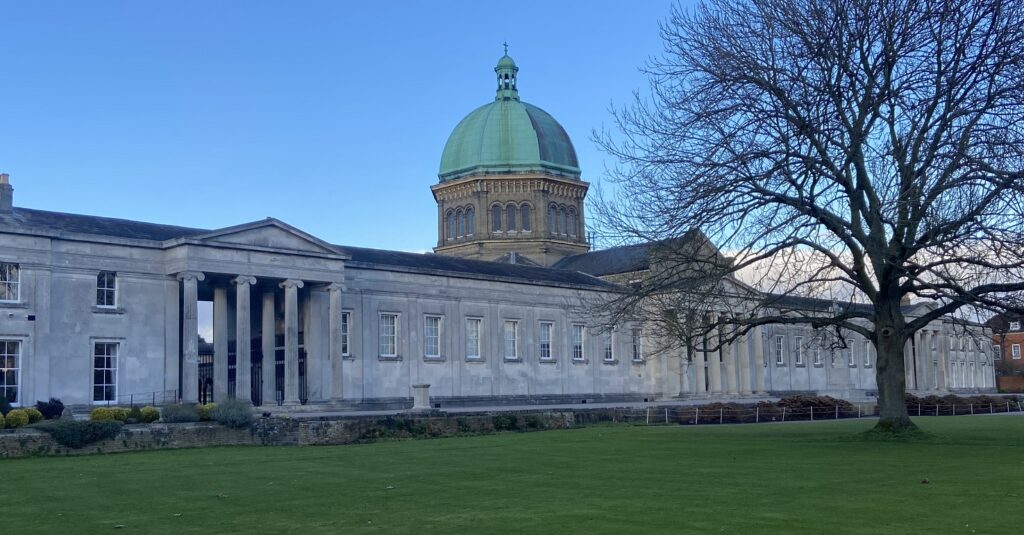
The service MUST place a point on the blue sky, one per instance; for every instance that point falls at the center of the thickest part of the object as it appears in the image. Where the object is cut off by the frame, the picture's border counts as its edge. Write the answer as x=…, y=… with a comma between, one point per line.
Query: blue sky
x=330, y=116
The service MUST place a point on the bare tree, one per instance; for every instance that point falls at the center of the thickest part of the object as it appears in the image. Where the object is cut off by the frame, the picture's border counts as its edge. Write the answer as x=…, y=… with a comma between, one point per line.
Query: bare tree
x=869, y=150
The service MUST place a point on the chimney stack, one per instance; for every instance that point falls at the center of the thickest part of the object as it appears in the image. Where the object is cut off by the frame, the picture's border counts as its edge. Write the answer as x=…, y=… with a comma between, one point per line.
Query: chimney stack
x=6, y=194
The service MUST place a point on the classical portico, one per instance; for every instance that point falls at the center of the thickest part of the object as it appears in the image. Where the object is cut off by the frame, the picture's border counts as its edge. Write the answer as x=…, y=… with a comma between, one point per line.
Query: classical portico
x=276, y=346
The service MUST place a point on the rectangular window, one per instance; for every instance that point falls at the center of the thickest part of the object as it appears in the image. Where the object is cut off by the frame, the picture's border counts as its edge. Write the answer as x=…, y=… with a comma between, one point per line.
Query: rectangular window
x=780, y=345
x=104, y=372
x=578, y=335
x=388, y=325
x=473, y=338
x=609, y=351
x=1015, y=351
x=432, y=336
x=817, y=354
x=10, y=282
x=798, y=350
x=511, y=339
x=106, y=289
x=346, y=330
x=961, y=338
x=867, y=353
x=638, y=344
x=851, y=359
x=997, y=352
x=10, y=370
x=547, y=330
x=1014, y=325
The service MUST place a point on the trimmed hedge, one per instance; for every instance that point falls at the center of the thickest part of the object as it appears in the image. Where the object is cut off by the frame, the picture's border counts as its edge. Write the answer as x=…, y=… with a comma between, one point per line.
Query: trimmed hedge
x=75, y=434
x=179, y=413
x=16, y=418
x=34, y=416
x=205, y=411
x=2, y=421
x=233, y=413
x=106, y=414
x=149, y=415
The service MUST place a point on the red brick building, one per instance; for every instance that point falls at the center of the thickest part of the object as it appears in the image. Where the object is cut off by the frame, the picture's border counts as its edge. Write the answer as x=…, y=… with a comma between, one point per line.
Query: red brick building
x=1008, y=349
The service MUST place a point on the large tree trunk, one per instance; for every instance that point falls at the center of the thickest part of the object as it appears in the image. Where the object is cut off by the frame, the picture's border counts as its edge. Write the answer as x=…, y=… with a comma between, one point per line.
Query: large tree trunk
x=890, y=338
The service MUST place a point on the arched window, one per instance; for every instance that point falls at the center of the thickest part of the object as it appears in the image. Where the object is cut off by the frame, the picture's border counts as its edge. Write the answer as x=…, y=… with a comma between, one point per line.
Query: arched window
x=496, y=218
x=572, y=222
x=450, y=221
x=511, y=217
x=460, y=217
x=561, y=221
x=470, y=223
x=552, y=229
x=524, y=215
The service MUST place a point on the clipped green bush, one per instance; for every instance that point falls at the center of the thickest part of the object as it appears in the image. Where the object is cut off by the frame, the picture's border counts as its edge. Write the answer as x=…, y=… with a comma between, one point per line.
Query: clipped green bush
x=233, y=413
x=134, y=415
x=16, y=418
x=2, y=421
x=205, y=410
x=34, y=415
x=179, y=413
x=106, y=414
x=50, y=409
x=149, y=415
x=75, y=434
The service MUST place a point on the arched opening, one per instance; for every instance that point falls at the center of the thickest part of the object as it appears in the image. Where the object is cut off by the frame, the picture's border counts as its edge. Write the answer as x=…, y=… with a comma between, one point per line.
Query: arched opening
x=573, y=226
x=510, y=218
x=460, y=217
x=495, y=218
x=470, y=223
x=561, y=221
x=450, y=223
x=524, y=216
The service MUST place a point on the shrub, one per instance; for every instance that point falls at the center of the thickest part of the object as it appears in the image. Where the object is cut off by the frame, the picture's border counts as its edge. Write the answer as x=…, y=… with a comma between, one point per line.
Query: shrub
x=75, y=434
x=2, y=421
x=34, y=415
x=50, y=409
x=233, y=413
x=106, y=414
x=505, y=422
x=149, y=415
x=179, y=413
x=134, y=415
x=5, y=406
x=16, y=418
x=205, y=410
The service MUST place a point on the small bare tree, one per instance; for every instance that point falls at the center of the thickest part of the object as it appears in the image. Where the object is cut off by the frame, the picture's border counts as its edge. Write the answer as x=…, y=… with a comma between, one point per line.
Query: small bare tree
x=869, y=150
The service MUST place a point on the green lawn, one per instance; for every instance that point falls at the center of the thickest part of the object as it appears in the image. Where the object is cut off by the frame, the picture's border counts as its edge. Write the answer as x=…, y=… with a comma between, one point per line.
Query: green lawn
x=788, y=478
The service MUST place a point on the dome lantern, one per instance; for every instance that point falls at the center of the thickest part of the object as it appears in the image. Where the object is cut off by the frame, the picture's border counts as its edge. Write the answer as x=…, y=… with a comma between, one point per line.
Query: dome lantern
x=507, y=71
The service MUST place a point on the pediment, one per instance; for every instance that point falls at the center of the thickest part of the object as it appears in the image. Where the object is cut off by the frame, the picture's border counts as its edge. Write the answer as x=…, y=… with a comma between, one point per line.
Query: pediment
x=269, y=233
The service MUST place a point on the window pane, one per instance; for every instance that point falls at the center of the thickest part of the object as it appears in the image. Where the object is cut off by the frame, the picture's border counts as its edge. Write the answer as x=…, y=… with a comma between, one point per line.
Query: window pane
x=432, y=336
x=511, y=339
x=608, y=351
x=496, y=218
x=511, y=217
x=525, y=217
x=472, y=338
x=578, y=335
x=345, y=318
x=470, y=223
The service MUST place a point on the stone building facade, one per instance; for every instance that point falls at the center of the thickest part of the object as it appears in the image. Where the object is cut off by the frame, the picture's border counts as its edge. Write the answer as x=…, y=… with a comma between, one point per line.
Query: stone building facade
x=102, y=310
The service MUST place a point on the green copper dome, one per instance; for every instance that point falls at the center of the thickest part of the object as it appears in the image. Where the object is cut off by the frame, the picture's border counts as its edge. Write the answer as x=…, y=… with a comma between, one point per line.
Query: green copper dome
x=508, y=136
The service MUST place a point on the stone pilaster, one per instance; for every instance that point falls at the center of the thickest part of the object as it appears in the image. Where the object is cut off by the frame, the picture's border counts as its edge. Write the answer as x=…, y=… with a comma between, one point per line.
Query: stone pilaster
x=291, y=340
x=243, y=337
x=190, y=335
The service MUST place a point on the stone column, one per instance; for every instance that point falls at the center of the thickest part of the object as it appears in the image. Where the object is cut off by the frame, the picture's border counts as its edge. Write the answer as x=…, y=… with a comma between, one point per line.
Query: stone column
x=908, y=364
x=684, y=368
x=291, y=340
x=920, y=354
x=335, y=389
x=190, y=335
x=243, y=337
x=744, y=365
x=729, y=352
x=220, y=343
x=715, y=362
x=700, y=357
x=942, y=356
x=268, y=334
x=758, y=361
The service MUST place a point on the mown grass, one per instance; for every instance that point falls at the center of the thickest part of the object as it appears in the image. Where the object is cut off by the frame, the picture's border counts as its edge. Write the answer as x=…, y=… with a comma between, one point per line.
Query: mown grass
x=966, y=477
